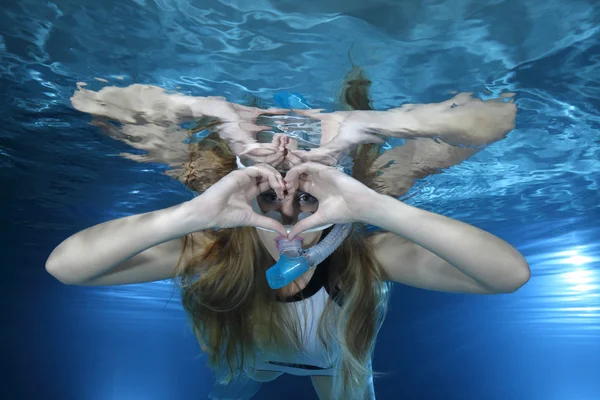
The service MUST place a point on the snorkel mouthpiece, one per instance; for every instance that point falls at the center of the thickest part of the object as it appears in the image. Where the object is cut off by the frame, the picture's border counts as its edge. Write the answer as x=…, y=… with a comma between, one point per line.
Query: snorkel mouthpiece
x=294, y=261
x=291, y=264
x=286, y=270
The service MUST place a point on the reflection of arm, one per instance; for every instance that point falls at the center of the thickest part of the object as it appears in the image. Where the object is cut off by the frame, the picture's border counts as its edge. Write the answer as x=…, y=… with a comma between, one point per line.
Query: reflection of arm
x=139, y=104
x=162, y=144
x=150, y=118
x=462, y=120
x=394, y=172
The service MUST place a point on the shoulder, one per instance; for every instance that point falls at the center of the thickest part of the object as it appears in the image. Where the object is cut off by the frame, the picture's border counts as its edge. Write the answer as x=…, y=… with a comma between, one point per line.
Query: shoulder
x=393, y=253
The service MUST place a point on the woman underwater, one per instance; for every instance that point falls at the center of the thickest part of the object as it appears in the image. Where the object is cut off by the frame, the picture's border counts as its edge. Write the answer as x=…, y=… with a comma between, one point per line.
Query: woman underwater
x=252, y=251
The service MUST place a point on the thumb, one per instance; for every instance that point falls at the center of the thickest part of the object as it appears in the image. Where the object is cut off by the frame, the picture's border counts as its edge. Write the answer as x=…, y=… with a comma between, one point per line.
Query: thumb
x=308, y=223
x=265, y=222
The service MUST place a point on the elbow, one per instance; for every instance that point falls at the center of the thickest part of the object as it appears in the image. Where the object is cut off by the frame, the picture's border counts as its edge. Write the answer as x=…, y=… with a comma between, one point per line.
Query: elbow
x=520, y=278
x=60, y=273
x=521, y=273
x=517, y=276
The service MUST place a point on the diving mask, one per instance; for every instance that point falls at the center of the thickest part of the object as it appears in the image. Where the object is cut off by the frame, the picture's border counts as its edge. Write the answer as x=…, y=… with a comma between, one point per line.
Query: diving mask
x=276, y=215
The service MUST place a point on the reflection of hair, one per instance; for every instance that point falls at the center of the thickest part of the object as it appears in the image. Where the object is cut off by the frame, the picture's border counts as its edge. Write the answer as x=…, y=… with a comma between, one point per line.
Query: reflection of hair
x=355, y=90
x=209, y=160
x=235, y=314
x=355, y=96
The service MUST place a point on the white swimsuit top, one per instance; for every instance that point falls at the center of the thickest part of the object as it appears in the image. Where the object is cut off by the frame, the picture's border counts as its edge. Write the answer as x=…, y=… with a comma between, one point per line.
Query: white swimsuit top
x=308, y=305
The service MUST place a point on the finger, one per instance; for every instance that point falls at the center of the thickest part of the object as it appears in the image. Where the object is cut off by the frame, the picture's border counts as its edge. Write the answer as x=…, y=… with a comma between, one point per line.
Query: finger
x=291, y=184
x=276, y=184
x=264, y=172
x=276, y=159
x=293, y=158
x=291, y=143
x=254, y=191
x=308, y=223
x=272, y=158
x=275, y=140
x=276, y=181
x=282, y=142
x=276, y=174
x=304, y=168
x=263, y=150
x=307, y=186
x=262, y=221
x=314, y=113
x=279, y=142
x=262, y=187
x=296, y=178
x=262, y=169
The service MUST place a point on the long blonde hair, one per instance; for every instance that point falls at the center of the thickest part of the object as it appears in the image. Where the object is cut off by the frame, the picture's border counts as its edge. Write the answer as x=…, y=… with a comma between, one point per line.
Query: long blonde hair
x=235, y=313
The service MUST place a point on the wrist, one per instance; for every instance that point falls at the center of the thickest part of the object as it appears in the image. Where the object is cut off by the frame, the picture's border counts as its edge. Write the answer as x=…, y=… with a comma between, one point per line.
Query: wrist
x=379, y=208
x=368, y=207
x=192, y=216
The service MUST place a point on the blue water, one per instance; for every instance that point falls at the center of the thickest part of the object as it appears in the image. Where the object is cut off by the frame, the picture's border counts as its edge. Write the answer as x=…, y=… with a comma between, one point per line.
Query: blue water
x=538, y=189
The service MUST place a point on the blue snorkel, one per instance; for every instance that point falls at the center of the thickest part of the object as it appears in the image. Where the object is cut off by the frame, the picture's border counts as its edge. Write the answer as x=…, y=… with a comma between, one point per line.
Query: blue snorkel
x=295, y=261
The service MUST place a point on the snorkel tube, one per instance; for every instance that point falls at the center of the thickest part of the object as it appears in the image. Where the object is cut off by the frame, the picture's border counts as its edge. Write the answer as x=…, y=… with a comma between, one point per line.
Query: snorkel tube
x=295, y=261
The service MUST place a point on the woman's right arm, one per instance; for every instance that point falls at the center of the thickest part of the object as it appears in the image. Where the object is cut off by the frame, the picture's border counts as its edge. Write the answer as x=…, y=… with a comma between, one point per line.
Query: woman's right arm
x=139, y=248
x=147, y=247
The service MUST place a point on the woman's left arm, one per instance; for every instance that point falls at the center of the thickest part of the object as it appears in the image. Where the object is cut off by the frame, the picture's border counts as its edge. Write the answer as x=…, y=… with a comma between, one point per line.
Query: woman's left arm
x=421, y=248
x=434, y=252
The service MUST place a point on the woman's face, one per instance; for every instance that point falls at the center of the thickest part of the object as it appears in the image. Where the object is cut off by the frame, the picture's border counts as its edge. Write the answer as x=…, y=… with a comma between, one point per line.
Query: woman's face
x=289, y=210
